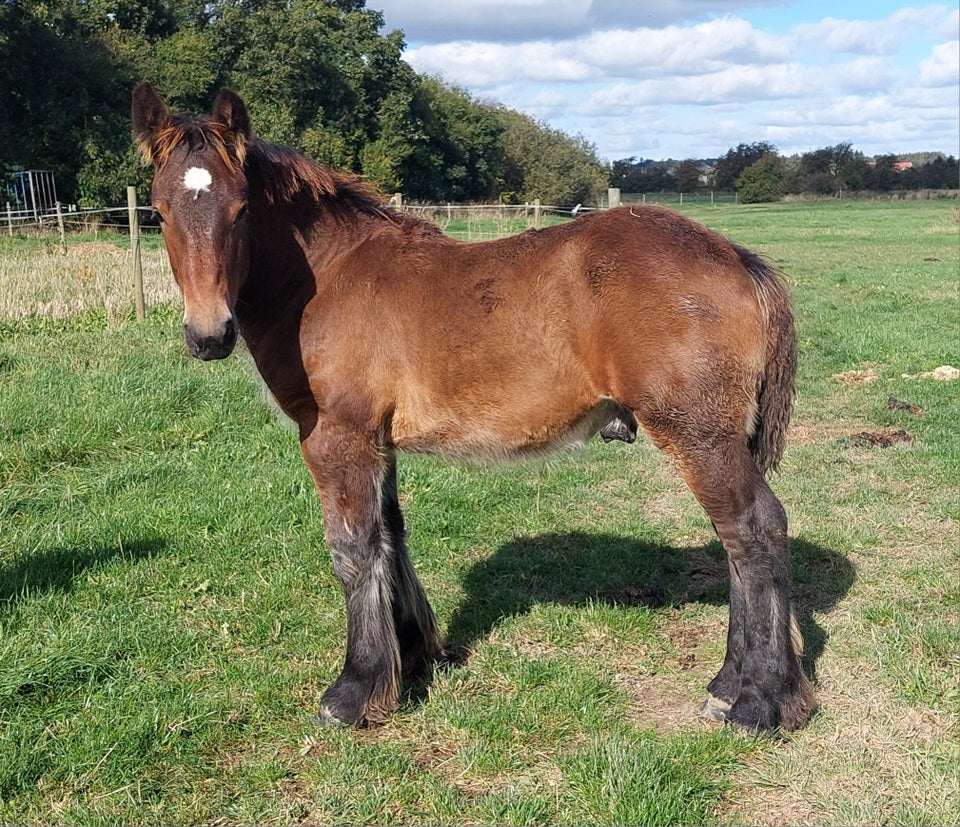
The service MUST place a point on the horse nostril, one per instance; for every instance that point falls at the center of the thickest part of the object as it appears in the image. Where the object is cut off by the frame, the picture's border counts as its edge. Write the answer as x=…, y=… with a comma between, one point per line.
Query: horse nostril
x=216, y=346
x=230, y=333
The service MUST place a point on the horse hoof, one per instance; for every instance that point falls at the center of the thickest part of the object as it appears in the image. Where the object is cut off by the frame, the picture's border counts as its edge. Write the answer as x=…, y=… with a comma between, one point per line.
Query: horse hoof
x=327, y=717
x=713, y=709
x=753, y=716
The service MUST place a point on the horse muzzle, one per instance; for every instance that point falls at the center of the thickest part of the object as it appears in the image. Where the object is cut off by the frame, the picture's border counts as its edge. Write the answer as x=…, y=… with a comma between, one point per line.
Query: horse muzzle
x=207, y=345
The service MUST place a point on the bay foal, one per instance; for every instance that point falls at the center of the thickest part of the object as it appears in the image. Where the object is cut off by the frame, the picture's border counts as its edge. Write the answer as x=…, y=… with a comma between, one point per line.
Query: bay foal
x=377, y=334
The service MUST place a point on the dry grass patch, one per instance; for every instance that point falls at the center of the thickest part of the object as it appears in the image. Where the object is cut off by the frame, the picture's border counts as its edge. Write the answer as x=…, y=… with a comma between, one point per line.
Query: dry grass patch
x=868, y=758
x=852, y=378
x=60, y=282
x=870, y=755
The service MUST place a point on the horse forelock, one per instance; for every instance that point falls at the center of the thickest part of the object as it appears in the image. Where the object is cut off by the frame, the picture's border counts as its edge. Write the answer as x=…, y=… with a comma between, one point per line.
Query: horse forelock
x=199, y=134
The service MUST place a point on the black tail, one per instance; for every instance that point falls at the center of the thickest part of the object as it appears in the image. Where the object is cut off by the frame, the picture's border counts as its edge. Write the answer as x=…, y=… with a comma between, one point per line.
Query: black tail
x=775, y=396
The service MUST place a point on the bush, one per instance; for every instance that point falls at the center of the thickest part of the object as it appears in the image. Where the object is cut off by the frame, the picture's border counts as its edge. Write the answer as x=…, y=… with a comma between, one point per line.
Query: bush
x=762, y=181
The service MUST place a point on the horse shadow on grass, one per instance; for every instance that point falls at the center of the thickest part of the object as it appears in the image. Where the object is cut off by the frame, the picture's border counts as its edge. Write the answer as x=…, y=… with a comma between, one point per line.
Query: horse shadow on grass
x=577, y=568
x=29, y=575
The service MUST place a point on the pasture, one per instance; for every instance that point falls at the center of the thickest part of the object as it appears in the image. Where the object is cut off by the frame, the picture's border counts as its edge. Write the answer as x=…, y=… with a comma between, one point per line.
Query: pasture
x=169, y=614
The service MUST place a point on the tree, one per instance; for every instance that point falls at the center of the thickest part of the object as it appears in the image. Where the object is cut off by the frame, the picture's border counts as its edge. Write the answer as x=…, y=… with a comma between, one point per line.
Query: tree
x=47, y=116
x=728, y=169
x=940, y=173
x=544, y=163
x=455, y=146
x=882, y=176
x=763, y=180
x=824, y=171
x=644, y=176
x=305, y=65
x=686, y=176
x=818, y=162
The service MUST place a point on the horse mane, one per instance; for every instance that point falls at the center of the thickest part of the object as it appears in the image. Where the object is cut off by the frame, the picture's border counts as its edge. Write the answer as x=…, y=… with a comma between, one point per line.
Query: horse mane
x=286, y=176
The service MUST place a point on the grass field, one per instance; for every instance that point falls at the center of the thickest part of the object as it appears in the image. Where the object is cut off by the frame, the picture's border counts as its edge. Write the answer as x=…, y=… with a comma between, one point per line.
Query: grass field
x=169, y=616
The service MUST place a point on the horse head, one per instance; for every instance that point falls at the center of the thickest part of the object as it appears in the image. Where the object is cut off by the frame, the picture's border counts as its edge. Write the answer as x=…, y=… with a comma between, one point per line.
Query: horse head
x=201, y=196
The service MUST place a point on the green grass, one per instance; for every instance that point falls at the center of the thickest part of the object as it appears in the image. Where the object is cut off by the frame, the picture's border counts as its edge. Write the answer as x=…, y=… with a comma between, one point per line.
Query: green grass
x=169, y=617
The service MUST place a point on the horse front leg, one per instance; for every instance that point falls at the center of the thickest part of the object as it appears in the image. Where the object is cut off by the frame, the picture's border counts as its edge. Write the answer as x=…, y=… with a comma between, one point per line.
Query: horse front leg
x=414, y=621
x=389, y=622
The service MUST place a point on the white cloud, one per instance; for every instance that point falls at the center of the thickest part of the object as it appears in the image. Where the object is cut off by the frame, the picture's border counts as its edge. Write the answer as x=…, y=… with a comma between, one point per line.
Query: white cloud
x=942, y=68
x=735, y=84
x=705, y=47
x=684, y=50
x=511, y=21
x=695, y=75
x=862, y=37
x=864, y=74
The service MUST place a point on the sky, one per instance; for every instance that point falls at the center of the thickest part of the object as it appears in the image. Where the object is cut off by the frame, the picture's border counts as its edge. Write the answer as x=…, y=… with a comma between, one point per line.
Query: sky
x=657, y=79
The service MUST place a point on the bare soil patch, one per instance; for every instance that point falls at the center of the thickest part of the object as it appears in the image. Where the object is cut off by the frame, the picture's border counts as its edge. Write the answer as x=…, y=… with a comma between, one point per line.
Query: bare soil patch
x=882, y=439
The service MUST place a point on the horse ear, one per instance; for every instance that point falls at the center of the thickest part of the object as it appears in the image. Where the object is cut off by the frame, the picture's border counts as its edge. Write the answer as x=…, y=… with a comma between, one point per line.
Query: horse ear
x=149, y=114
x=230, y=110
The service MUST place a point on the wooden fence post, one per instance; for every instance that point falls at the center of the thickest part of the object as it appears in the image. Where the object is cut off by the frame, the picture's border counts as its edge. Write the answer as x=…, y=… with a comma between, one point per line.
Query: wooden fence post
x=63, y=237
x=9, y=220
x=613, y=197
x=536, y=213
x=135, y=250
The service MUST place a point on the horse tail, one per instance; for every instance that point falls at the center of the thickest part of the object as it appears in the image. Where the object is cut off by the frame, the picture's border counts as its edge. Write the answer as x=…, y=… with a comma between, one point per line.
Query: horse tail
x=776, y=388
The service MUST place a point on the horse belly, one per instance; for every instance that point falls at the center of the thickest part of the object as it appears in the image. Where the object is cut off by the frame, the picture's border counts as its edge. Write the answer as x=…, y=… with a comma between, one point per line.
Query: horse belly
x=512, y=429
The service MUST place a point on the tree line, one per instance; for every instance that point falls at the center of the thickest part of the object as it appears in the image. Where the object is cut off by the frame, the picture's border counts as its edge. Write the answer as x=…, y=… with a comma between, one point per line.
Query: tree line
x=324, y=77
x=318, y=75
x=757, y=172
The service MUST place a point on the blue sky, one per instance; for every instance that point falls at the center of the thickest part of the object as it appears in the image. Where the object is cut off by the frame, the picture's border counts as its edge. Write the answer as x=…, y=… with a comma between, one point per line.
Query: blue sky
x=692, y=78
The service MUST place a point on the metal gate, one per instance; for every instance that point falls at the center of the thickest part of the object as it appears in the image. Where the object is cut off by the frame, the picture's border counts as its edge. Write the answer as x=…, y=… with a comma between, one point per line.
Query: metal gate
x=31, y=192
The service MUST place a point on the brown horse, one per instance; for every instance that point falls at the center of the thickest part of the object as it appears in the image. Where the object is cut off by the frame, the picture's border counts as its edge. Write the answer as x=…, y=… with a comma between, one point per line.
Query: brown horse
x=376, y=334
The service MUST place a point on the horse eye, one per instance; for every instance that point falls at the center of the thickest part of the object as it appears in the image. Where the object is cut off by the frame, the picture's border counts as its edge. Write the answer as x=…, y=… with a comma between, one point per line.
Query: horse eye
x=155, y=215
x=242, y=213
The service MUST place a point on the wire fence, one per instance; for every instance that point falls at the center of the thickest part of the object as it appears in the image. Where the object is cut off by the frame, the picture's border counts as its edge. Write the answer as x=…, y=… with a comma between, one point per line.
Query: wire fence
x=469, y=222
x=79, y=259
x=69, y=219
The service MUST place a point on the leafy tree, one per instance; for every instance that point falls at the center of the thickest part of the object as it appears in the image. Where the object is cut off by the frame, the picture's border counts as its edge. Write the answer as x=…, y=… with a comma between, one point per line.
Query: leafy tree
x=309, y=65
x=686, y=176
x=764, y=180
x=882, y=176
x=818, y=162
x=940, y=173
x=455, y=146
x=824, y=171
x=545, y=163
x=645, y=176
x=730, y=167
x=46, y=116
x=854, y=174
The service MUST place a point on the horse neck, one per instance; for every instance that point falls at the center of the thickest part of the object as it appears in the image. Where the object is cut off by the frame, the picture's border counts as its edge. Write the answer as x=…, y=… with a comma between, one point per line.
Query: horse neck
x=293, y=252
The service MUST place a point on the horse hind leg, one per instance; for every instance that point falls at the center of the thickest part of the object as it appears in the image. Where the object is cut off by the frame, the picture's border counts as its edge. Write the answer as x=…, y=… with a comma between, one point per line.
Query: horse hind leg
x=723, y=690
x=761, y=685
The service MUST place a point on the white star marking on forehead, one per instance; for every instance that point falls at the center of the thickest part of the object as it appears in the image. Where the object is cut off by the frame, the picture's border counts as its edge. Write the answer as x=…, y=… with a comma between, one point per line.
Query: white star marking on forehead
x=197, y=179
